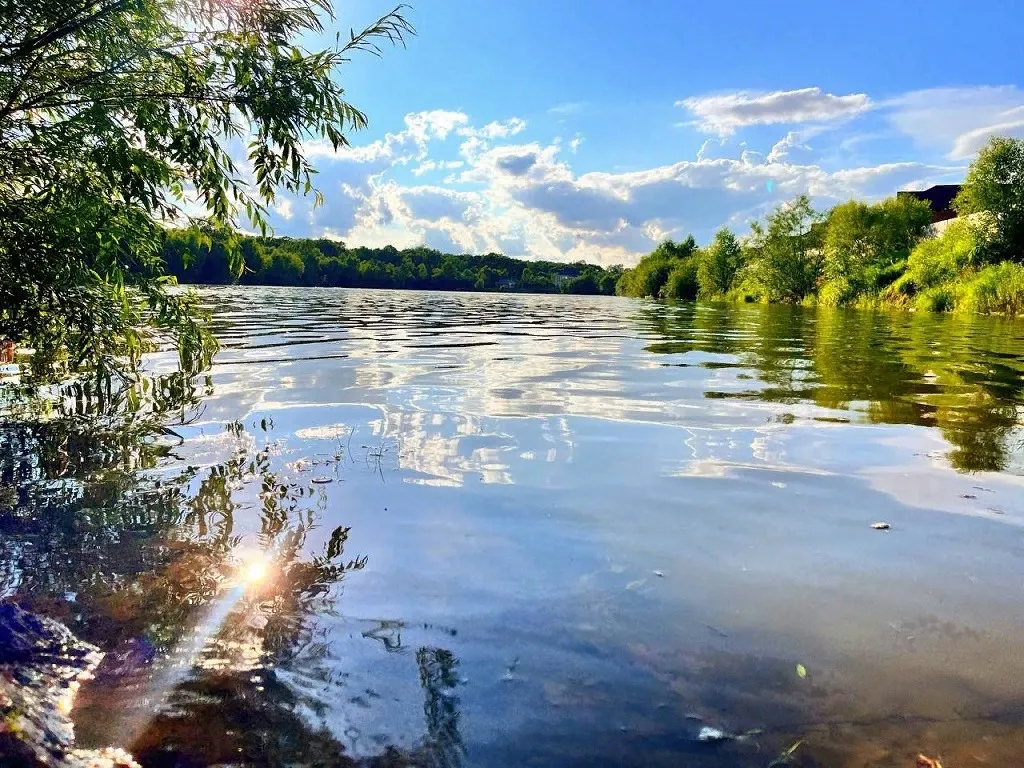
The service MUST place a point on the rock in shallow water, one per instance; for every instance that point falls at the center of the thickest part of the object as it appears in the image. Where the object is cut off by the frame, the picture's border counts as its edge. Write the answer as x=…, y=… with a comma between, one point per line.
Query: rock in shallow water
x=42, y=664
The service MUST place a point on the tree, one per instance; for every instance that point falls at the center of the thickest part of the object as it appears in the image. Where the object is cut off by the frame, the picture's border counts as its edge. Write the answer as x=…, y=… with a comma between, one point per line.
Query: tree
x=995, y=185
x=786, y=255
x=119, y=115
x=648, y=278
x=863, y=241
x=718, y=264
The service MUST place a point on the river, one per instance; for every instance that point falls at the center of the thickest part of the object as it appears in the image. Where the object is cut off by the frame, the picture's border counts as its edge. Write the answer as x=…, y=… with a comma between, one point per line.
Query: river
x=507, y=530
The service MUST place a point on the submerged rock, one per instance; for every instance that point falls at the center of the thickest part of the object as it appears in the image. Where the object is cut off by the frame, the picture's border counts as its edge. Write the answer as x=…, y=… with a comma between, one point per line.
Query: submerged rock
x=42, y=665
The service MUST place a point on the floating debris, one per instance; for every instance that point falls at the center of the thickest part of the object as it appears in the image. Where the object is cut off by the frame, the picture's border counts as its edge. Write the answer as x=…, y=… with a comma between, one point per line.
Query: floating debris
x=881, y=526
x=659, y=574
x=786, y=758
x=927, y=762
x=320, y=480
x=801, y=671
x=716, y=630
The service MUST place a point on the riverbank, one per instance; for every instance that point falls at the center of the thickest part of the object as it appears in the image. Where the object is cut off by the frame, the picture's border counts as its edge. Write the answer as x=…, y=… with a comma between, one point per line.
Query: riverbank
x=865, y=254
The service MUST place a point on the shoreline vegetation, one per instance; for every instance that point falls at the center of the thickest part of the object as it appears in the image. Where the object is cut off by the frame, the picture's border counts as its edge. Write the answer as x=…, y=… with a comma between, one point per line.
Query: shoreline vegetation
x=194, y=257
x=858, y=254
x=870, y=255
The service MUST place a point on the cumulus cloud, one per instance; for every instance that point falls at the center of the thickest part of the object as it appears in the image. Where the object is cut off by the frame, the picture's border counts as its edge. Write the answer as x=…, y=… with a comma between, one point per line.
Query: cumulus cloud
x=517, y=165
x=791, y=147
x=283, y=208
x=723, y=114
x=524, y=198
x=401, y=147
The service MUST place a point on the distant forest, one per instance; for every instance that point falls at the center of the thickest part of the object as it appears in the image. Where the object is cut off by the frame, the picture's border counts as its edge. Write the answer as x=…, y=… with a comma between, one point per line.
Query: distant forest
x=193, y=257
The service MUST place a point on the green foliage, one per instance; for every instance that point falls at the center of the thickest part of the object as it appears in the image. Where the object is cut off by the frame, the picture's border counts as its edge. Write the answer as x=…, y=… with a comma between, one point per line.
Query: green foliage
x=682, y=281
x=785, y=260
x=940, y=259
x=862, y=243
x=322, y=262
x=863, y=254
x=650, y=276
x=995, y=186
x=117, y=114
x=718, y=265
x=996, y=289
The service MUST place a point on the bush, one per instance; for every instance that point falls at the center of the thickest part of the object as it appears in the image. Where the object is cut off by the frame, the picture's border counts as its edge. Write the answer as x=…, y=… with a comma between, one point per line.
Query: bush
x=940, y=259
x=681, y=282
x=940, y=298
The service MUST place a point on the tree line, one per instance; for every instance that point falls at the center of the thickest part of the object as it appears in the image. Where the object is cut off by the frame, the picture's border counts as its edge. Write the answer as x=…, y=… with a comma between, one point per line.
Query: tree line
x=864, y=254
x=194, y=256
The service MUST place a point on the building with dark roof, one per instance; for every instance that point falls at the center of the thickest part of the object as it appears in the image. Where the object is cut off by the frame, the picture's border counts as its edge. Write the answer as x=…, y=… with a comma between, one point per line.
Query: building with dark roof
x=940, y=198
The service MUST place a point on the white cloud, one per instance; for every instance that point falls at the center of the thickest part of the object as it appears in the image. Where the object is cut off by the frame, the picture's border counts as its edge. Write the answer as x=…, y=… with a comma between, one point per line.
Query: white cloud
x=958, y=121
x=568, y=108
x=723, y=114
x=436, y=165
x=496, y=130
x=403, y=146
x=525, y=199
x=283, y=207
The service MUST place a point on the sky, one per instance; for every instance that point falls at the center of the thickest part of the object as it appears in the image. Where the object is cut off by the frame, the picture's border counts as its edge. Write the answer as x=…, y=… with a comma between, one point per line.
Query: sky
x=549, y=129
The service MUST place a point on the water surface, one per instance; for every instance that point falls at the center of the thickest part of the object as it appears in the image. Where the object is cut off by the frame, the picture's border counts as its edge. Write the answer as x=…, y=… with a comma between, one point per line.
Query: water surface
x=533, y=530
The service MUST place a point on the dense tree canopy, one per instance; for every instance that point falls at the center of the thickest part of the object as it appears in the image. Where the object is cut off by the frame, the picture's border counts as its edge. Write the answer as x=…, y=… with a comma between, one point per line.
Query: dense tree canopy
x=192, y=258
x=117, y=115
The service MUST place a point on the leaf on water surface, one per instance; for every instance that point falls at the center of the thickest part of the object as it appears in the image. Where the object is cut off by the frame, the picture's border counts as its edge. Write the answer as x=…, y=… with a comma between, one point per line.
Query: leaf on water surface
x=785, y=758
x=801, y=671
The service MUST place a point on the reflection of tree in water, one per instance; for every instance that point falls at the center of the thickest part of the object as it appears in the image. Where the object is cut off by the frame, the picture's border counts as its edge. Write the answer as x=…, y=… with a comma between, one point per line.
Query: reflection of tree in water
x=962, y=375
x=438, y=676
x=102, y=535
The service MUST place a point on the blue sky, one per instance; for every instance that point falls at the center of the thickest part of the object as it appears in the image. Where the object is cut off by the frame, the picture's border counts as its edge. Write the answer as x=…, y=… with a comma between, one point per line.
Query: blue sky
x=592, y=130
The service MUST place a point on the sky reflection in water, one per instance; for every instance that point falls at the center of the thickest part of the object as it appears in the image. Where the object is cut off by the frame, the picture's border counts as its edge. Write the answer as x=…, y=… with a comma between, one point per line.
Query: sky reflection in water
x=585, y=522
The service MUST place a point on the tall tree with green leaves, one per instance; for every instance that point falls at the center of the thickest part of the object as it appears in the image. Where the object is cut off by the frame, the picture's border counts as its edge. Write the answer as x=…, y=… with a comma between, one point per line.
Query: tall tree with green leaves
x=995, y=186
x=786, y=252
x=718, y=264
x=119, y=116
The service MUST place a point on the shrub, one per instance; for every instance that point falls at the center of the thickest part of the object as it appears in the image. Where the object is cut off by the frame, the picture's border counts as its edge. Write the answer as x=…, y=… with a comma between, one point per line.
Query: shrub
x=681, y=282
x=940, y=259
